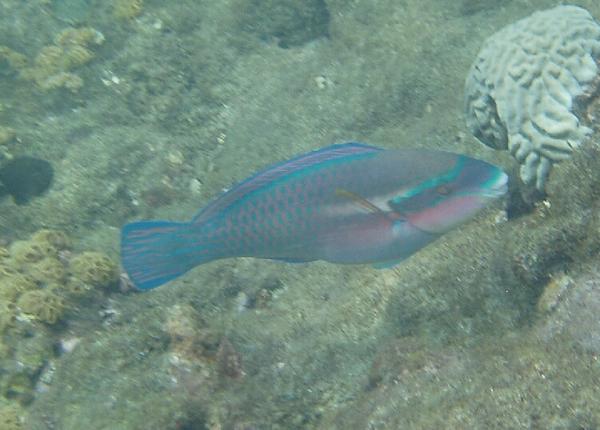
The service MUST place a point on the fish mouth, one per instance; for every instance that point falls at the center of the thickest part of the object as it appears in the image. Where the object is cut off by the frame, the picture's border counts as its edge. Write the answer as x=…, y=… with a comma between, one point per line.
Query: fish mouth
x=498, y=186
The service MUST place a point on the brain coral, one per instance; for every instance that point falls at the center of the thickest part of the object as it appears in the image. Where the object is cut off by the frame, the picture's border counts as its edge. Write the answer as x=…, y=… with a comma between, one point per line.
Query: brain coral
x=522, y=88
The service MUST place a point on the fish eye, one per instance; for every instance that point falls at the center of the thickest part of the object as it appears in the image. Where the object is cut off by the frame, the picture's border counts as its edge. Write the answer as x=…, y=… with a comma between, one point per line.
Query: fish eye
x=443, y=190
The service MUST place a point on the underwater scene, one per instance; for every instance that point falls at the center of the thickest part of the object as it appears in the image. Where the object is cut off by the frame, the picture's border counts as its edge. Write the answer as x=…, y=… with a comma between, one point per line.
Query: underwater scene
x=283, y=214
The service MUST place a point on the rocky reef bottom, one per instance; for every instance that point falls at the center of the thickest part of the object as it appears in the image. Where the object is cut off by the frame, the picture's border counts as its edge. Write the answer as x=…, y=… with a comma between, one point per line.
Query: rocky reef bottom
x=492, y=327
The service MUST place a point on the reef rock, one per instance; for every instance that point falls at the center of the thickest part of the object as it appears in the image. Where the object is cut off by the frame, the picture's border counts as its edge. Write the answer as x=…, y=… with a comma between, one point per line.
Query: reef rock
x=575, y=314
x=527, y=84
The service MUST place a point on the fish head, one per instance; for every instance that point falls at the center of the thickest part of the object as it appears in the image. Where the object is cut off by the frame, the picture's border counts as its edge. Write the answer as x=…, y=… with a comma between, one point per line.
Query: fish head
x=450, y=198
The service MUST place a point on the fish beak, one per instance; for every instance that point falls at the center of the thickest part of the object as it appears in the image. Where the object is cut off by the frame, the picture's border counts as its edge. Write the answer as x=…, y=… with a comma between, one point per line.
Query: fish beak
x=499, y=186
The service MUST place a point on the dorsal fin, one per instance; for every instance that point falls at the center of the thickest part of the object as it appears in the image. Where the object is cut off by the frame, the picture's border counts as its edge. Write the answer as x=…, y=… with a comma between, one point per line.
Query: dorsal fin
x=280, y=170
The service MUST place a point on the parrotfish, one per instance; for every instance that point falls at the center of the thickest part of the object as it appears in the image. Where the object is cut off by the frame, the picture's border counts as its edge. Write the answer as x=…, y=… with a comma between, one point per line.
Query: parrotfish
x=347, y=203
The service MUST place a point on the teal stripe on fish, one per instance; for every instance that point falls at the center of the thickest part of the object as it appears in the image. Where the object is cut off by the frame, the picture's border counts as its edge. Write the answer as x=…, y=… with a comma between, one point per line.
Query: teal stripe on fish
x=446, y=177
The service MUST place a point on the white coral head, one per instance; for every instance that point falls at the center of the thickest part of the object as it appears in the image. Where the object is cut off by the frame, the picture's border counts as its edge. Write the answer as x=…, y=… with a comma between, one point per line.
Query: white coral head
x=522, y=88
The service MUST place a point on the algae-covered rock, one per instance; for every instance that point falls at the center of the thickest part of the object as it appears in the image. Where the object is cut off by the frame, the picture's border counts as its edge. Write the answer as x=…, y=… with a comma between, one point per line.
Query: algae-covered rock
x=18, y=386
x=94, y=268
x=42, y=305
x=25, y=177
x=291, y=23
x=575, y=313
x=72, y=11
x=11, y=417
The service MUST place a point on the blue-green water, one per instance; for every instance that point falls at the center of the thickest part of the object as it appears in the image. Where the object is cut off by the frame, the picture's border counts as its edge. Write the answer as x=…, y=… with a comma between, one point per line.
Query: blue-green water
x=151, y=108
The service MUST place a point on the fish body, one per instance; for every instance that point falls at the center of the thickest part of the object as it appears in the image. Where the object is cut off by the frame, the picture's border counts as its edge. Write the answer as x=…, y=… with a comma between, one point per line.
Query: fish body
x=346, y=203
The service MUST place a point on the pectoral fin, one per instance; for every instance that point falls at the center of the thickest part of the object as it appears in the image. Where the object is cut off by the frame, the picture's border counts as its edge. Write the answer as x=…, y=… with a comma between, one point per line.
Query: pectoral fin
x=359, y=200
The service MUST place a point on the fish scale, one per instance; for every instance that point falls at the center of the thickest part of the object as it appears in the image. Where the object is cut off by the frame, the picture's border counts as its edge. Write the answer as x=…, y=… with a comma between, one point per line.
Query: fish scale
x=346, y=203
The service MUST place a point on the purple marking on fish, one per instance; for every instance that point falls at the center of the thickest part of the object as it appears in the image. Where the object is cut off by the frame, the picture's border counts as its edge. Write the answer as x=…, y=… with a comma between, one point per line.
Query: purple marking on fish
x=346, y=203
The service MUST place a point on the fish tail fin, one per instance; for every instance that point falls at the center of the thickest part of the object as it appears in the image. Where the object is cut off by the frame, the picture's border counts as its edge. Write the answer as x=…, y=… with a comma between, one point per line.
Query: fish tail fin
x=155, y=252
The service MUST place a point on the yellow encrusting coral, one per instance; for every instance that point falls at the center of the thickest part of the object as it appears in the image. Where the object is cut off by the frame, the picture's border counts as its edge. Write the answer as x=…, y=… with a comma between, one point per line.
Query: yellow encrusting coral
x=42, y=305
x=25, y=267
x=38, y=277
x=48, y=270
x=53, y=65
x=127, y=9
x=8, y=315
x=73, y=37
x=15, y=60
x=13, y=286
x=25, y=252
x=6, y=269
x=11, y=417
x=67, y=80
x=54, y=239
x=94, y=268
x=37, y=289
x=44, y=243
x=7, y=134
